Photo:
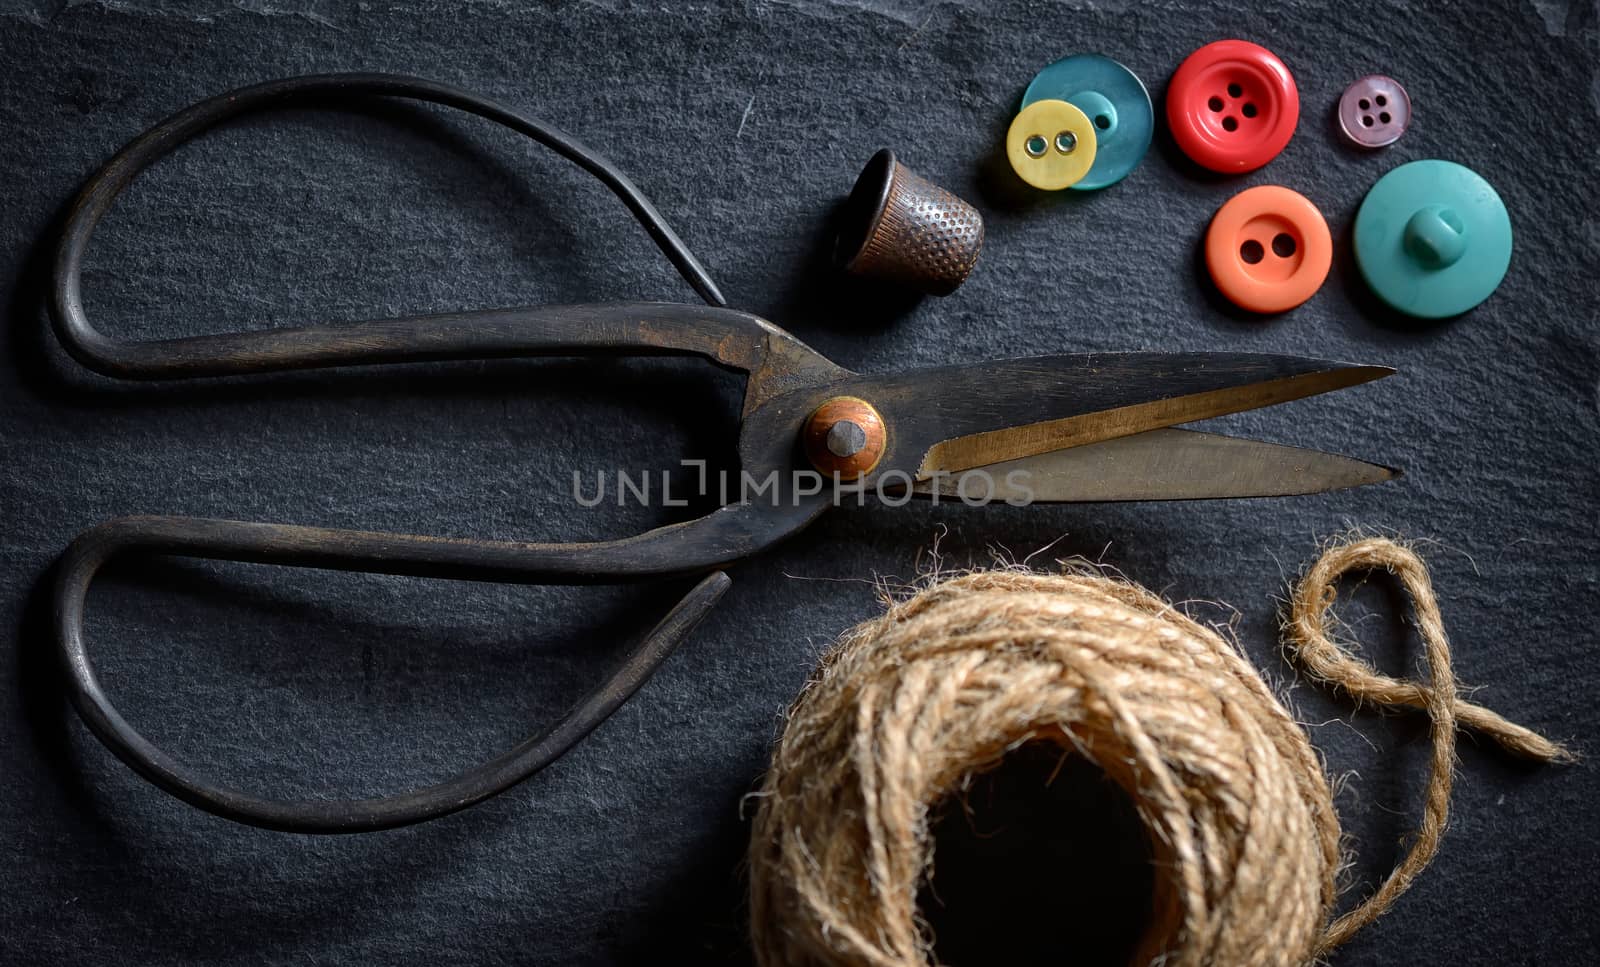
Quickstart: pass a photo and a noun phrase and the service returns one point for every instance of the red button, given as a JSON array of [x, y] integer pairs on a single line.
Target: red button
[[1232, 106]]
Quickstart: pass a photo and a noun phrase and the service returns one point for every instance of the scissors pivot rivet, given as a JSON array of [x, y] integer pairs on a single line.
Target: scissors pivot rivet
[[845, 436], [846, 439]]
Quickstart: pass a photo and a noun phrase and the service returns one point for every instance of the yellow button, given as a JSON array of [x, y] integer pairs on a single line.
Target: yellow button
[[1051, 145]]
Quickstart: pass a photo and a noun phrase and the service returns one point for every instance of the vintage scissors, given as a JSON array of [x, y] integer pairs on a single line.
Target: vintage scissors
[[1090, 427]]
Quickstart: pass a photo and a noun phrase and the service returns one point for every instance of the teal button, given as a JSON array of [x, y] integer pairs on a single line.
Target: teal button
[[1114, 100], [1433, 239]]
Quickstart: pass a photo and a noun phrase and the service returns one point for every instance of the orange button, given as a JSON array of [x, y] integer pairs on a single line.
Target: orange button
[[1268, 249]]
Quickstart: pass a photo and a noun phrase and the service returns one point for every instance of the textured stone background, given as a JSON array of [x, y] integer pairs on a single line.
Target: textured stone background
[[745, 124]]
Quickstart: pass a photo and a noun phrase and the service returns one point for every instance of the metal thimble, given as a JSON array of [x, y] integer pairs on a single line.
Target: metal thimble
[[901, 229]]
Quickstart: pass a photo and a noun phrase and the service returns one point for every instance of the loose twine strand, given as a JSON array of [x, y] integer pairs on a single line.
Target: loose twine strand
[[912, 704], [1310, 642]]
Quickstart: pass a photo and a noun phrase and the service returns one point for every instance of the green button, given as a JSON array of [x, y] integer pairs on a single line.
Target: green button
[[1433, 239], [1114, 100]]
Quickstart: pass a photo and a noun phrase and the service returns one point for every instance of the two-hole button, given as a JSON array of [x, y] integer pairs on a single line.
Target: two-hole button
[[1051, 144], [1268, 249]]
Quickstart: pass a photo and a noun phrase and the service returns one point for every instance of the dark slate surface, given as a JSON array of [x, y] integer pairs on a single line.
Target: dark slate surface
[[745, 125]]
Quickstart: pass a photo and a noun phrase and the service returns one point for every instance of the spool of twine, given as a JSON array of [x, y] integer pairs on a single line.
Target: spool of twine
[[1237, 810]]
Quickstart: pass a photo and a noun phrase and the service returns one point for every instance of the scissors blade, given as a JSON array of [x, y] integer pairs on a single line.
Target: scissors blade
[[960, 417], [1164, 464]]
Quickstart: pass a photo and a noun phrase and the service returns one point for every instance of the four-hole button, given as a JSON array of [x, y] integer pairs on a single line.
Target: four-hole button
[[1232, 106], [1374, 111]]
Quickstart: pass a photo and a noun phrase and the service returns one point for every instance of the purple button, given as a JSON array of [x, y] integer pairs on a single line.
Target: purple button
[[1374, 111]]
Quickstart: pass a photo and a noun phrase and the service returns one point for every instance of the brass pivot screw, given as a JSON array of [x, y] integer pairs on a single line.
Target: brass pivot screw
[[845, 436]]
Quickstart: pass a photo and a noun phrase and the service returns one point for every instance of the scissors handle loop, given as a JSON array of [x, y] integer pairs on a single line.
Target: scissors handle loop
[[312, 547], [259, 352]]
